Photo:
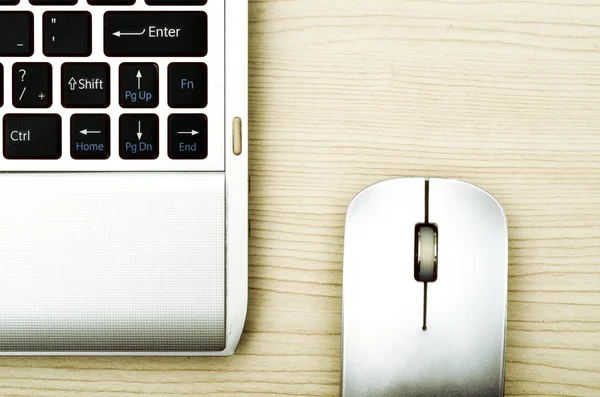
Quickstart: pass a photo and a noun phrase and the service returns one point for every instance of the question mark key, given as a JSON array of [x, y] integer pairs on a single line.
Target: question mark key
[[32, 85]]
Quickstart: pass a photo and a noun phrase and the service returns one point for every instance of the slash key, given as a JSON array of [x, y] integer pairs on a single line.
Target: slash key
[[32, 85]]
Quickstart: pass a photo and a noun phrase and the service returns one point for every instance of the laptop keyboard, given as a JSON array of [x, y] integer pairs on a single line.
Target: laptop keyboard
[[109, 80]]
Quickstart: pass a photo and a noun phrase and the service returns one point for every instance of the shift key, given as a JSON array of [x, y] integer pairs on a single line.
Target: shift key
[[155, 33]]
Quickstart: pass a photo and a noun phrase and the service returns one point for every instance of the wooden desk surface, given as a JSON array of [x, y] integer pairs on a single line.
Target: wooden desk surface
[[345, 93]]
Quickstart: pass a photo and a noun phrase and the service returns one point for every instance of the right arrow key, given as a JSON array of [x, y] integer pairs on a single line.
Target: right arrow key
[[188, 136]]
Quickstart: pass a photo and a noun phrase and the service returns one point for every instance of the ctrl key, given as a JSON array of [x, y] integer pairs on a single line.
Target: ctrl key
[[32, 136]]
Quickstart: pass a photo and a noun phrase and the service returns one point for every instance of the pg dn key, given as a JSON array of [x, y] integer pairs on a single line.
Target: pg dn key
[[138, 136]]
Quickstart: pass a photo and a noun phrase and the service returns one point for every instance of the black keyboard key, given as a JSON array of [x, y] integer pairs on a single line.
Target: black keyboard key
[[111, 2], [32, 85], [1, 85], [176, 2], [188, 136], [67, 33], [16, 33], [188, 85], [90, 136], [9, 2], [53, 2], [138, 136], [158, 33], [32, 136], [138, 85], [85, 85]]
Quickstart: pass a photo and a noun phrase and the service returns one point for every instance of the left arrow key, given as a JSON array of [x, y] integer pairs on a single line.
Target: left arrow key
[[16, 33], [90, 136]]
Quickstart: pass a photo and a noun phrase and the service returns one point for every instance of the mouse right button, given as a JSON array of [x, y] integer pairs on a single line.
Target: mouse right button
[[466, 305]]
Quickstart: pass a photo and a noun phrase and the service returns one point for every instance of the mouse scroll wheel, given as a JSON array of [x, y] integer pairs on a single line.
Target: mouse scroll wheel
[[426, 255]]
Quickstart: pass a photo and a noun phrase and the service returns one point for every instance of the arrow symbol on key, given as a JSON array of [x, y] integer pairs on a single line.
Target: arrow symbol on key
[[86, 131], [118, 33], [139, 78], [139, 133], [192, 132], [72, 83]]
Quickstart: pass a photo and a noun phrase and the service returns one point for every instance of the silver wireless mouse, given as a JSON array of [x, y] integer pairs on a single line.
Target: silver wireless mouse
[[425, 283]]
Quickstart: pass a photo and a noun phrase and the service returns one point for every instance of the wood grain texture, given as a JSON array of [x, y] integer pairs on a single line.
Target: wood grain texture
[[345, 93]]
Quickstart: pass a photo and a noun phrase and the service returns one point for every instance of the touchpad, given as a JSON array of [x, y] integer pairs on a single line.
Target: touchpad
[[112, 262]]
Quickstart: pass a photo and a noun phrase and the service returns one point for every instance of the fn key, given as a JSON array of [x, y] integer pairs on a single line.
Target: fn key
[[32, 136]]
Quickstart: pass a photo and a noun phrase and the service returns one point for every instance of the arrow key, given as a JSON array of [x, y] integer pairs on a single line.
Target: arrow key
[[188, 136], [138, 136], [90, 136], [138, 85]]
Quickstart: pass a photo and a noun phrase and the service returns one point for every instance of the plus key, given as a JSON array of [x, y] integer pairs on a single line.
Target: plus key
[[32, 85]]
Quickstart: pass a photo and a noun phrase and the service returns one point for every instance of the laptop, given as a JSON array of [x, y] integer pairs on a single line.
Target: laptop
[[123, 177]]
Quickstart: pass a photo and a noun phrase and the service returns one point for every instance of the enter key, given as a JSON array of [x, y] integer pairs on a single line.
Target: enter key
[[153, 33]]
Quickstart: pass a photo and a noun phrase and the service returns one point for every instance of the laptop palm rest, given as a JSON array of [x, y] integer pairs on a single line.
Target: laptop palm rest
[[112, 263]]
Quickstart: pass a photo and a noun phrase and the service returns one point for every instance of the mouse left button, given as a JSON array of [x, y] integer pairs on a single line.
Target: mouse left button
[[382, 302]]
